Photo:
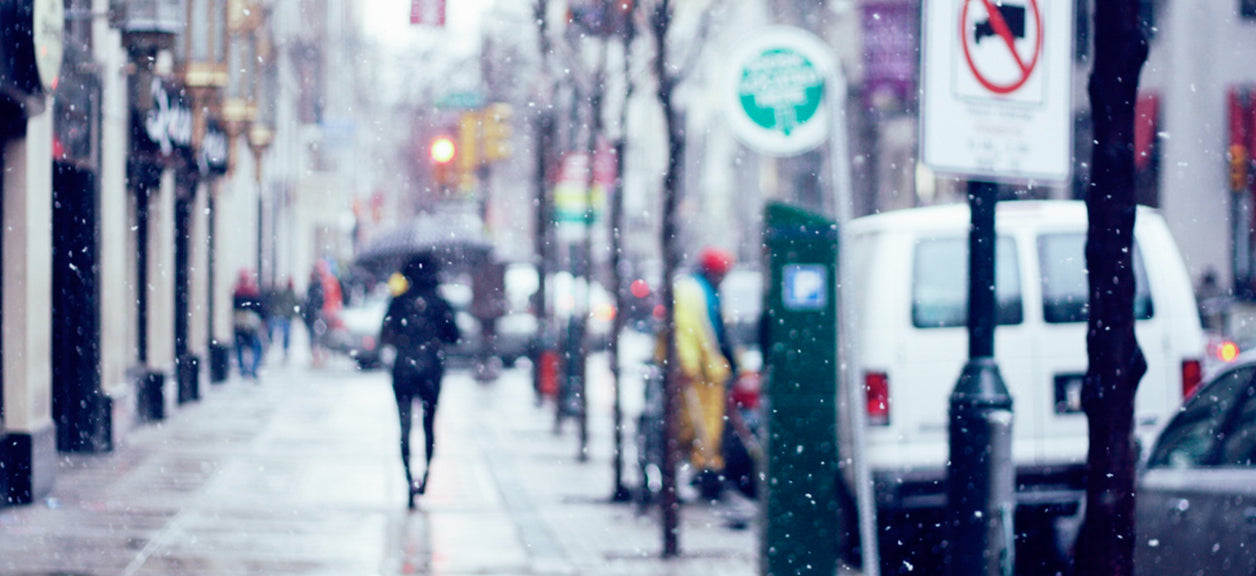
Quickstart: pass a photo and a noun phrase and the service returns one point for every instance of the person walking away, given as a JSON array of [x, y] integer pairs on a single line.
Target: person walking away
[[282, 308], [247, 314], [333, 296], [1212, 301], [312, 314], [705, 368], [418, 325]]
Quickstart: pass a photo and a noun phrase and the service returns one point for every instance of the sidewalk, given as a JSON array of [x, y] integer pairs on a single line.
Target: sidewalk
[[298, 474]]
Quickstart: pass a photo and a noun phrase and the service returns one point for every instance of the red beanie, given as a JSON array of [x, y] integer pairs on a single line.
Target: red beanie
[[715, 261]]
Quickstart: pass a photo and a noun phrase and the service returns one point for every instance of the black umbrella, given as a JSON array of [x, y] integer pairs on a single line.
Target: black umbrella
[[455, 237]]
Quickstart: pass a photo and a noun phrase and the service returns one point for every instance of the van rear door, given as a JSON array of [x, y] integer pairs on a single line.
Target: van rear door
[[937, 347]]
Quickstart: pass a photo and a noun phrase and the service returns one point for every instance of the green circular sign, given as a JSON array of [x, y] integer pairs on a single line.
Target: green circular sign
[[780, 90], [779, 86]]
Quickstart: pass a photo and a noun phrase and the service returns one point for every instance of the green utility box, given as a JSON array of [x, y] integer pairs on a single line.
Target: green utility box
[[801, 510]]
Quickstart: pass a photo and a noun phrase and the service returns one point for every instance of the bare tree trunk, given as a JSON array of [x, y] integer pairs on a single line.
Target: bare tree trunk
[[661, 21], [544, 140], [620, 492], [594, 136], [1105, 545]]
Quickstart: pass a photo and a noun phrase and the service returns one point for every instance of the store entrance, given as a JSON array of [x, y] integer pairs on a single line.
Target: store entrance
[[80, 408]]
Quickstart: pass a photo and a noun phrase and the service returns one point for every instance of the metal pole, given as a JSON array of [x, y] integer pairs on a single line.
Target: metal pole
[[591, 148], [980, 480], [983, 306], [142, 213], [544, 139], [261, 207], [843, 199], [569, 344], [211, 234], [278, 204]]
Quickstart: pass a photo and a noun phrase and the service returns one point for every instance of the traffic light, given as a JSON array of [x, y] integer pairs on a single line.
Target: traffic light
[[497, 132], [1238, 167], [468, 140], [443, 151]]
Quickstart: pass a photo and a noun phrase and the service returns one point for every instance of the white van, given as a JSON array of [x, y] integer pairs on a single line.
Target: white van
[[906, 295]]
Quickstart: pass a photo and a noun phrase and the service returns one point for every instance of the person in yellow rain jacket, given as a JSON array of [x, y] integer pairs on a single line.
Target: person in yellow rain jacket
[[705, 368]]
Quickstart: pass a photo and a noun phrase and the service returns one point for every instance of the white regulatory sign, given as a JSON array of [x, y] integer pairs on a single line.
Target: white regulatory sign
[[998, 88]]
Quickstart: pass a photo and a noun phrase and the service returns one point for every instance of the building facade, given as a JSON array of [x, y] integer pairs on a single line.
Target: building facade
[[116, 146], [1204, 126], [27, 79]]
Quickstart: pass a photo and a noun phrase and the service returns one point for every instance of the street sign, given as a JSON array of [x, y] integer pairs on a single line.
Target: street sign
[[777, 91], [461, 101], [997, 100], [804, 287]]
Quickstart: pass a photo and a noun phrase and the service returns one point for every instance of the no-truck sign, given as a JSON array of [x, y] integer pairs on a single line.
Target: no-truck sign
[[1002, 45], [998, 88]]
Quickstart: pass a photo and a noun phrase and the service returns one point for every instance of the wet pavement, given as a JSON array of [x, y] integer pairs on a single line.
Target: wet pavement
[[299, 474]]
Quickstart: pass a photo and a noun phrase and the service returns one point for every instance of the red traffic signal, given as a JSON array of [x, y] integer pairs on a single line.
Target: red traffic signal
[[443, 150]]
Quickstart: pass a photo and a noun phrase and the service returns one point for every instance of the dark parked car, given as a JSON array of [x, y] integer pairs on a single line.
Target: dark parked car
[[1196, 511]]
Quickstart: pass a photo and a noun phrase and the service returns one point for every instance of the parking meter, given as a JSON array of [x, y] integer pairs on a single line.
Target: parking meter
[[801, 510]]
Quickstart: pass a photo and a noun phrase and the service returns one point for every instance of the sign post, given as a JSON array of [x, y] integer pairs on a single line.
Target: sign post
[[997, 107]]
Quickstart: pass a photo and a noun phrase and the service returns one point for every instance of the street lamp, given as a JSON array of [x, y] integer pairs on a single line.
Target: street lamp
[[238, 106], [260, 137], [201, 64], [148, 28]]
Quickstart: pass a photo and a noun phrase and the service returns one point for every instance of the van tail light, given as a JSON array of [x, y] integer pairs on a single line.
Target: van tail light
[[877, 391], [1192, 377]]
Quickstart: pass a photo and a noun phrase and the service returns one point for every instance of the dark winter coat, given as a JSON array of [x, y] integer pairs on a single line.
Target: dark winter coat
[[418, 324]]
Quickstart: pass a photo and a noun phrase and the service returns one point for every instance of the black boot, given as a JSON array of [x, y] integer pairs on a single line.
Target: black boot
[[710, 485], [423, 484]]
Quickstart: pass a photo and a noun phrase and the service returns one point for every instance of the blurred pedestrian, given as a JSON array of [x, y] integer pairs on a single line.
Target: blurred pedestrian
[[247, 317], [312, 314], [705, 368], [323, 301], [418, 325], [333, 293], [281, 308], [1213, 302]]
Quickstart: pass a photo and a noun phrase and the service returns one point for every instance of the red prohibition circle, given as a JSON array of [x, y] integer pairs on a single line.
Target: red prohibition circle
[[1026, 69]]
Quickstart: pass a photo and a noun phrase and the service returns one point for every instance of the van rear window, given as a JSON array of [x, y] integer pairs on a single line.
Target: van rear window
[[1065, 292], [940, 283]]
